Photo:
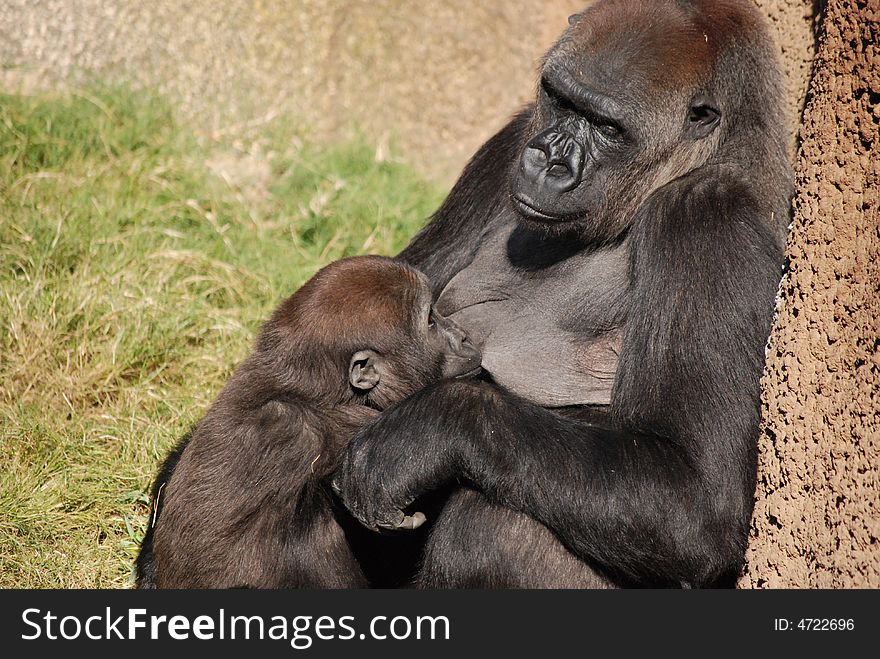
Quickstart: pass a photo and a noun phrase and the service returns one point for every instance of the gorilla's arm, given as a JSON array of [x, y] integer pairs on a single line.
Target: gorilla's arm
[[662, 493], [449, 241], [628, 501]]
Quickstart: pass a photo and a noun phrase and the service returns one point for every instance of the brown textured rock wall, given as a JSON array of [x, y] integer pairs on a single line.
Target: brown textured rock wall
[[817, 522]]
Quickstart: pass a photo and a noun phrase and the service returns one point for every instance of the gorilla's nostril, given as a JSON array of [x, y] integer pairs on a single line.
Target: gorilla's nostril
[[533, 162], [538, 156], [559, 170]]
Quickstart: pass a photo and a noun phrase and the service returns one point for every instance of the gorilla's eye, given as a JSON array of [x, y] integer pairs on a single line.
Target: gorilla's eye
[[702, 114], [610, 131], [703, 118], [559, 101], [431, 319]]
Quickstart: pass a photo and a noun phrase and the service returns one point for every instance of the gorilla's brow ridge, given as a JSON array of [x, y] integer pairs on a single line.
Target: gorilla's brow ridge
[[593, 103]]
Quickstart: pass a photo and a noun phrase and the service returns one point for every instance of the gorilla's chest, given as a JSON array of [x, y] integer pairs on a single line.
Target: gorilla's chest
[[547, 313]]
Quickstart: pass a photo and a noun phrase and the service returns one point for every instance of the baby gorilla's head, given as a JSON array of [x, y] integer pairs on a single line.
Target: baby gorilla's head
[[363, 330]]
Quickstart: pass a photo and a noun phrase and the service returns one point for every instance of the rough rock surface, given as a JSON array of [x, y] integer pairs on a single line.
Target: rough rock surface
[[817, 521]]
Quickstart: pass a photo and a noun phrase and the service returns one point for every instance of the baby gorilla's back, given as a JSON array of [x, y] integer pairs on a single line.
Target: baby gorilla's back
[[247, 507]]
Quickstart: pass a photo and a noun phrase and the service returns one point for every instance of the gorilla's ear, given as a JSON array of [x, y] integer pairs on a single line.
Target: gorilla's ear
[[703, 116], [363, 370], [574, 18]]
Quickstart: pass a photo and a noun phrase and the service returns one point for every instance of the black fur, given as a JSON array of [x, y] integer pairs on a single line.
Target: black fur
[[627, 325]]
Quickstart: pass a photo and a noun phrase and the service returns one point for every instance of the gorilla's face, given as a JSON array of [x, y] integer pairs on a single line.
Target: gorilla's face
[[582, 147], [615, 118]]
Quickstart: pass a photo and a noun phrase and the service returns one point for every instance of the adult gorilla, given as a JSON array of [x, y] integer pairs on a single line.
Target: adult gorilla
[[615, 249]]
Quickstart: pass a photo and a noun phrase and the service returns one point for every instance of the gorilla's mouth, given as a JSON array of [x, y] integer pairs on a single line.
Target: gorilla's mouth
[[469, 374], [526, 208]]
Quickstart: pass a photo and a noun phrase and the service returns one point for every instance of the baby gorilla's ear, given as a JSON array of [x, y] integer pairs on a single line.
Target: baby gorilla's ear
[[364, 369]]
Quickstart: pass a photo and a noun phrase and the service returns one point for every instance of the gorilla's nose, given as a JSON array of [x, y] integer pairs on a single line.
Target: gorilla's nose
[[553, 160]]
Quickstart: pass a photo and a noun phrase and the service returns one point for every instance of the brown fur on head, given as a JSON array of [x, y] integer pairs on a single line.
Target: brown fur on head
[[355, 304], [362, 331], [640, 49]]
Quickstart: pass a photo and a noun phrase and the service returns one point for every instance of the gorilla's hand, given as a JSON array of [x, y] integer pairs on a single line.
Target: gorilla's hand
[[412, 448]]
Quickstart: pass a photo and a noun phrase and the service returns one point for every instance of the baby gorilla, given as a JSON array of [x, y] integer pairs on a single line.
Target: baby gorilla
[[245, 501]]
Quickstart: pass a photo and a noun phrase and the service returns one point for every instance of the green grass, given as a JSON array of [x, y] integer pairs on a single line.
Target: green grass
[[137, 261]]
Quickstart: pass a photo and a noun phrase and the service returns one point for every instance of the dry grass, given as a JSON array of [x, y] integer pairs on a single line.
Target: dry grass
[[136, 263]]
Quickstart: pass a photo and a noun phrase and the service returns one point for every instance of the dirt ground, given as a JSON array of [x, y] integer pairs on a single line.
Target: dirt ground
[[436, 79]]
